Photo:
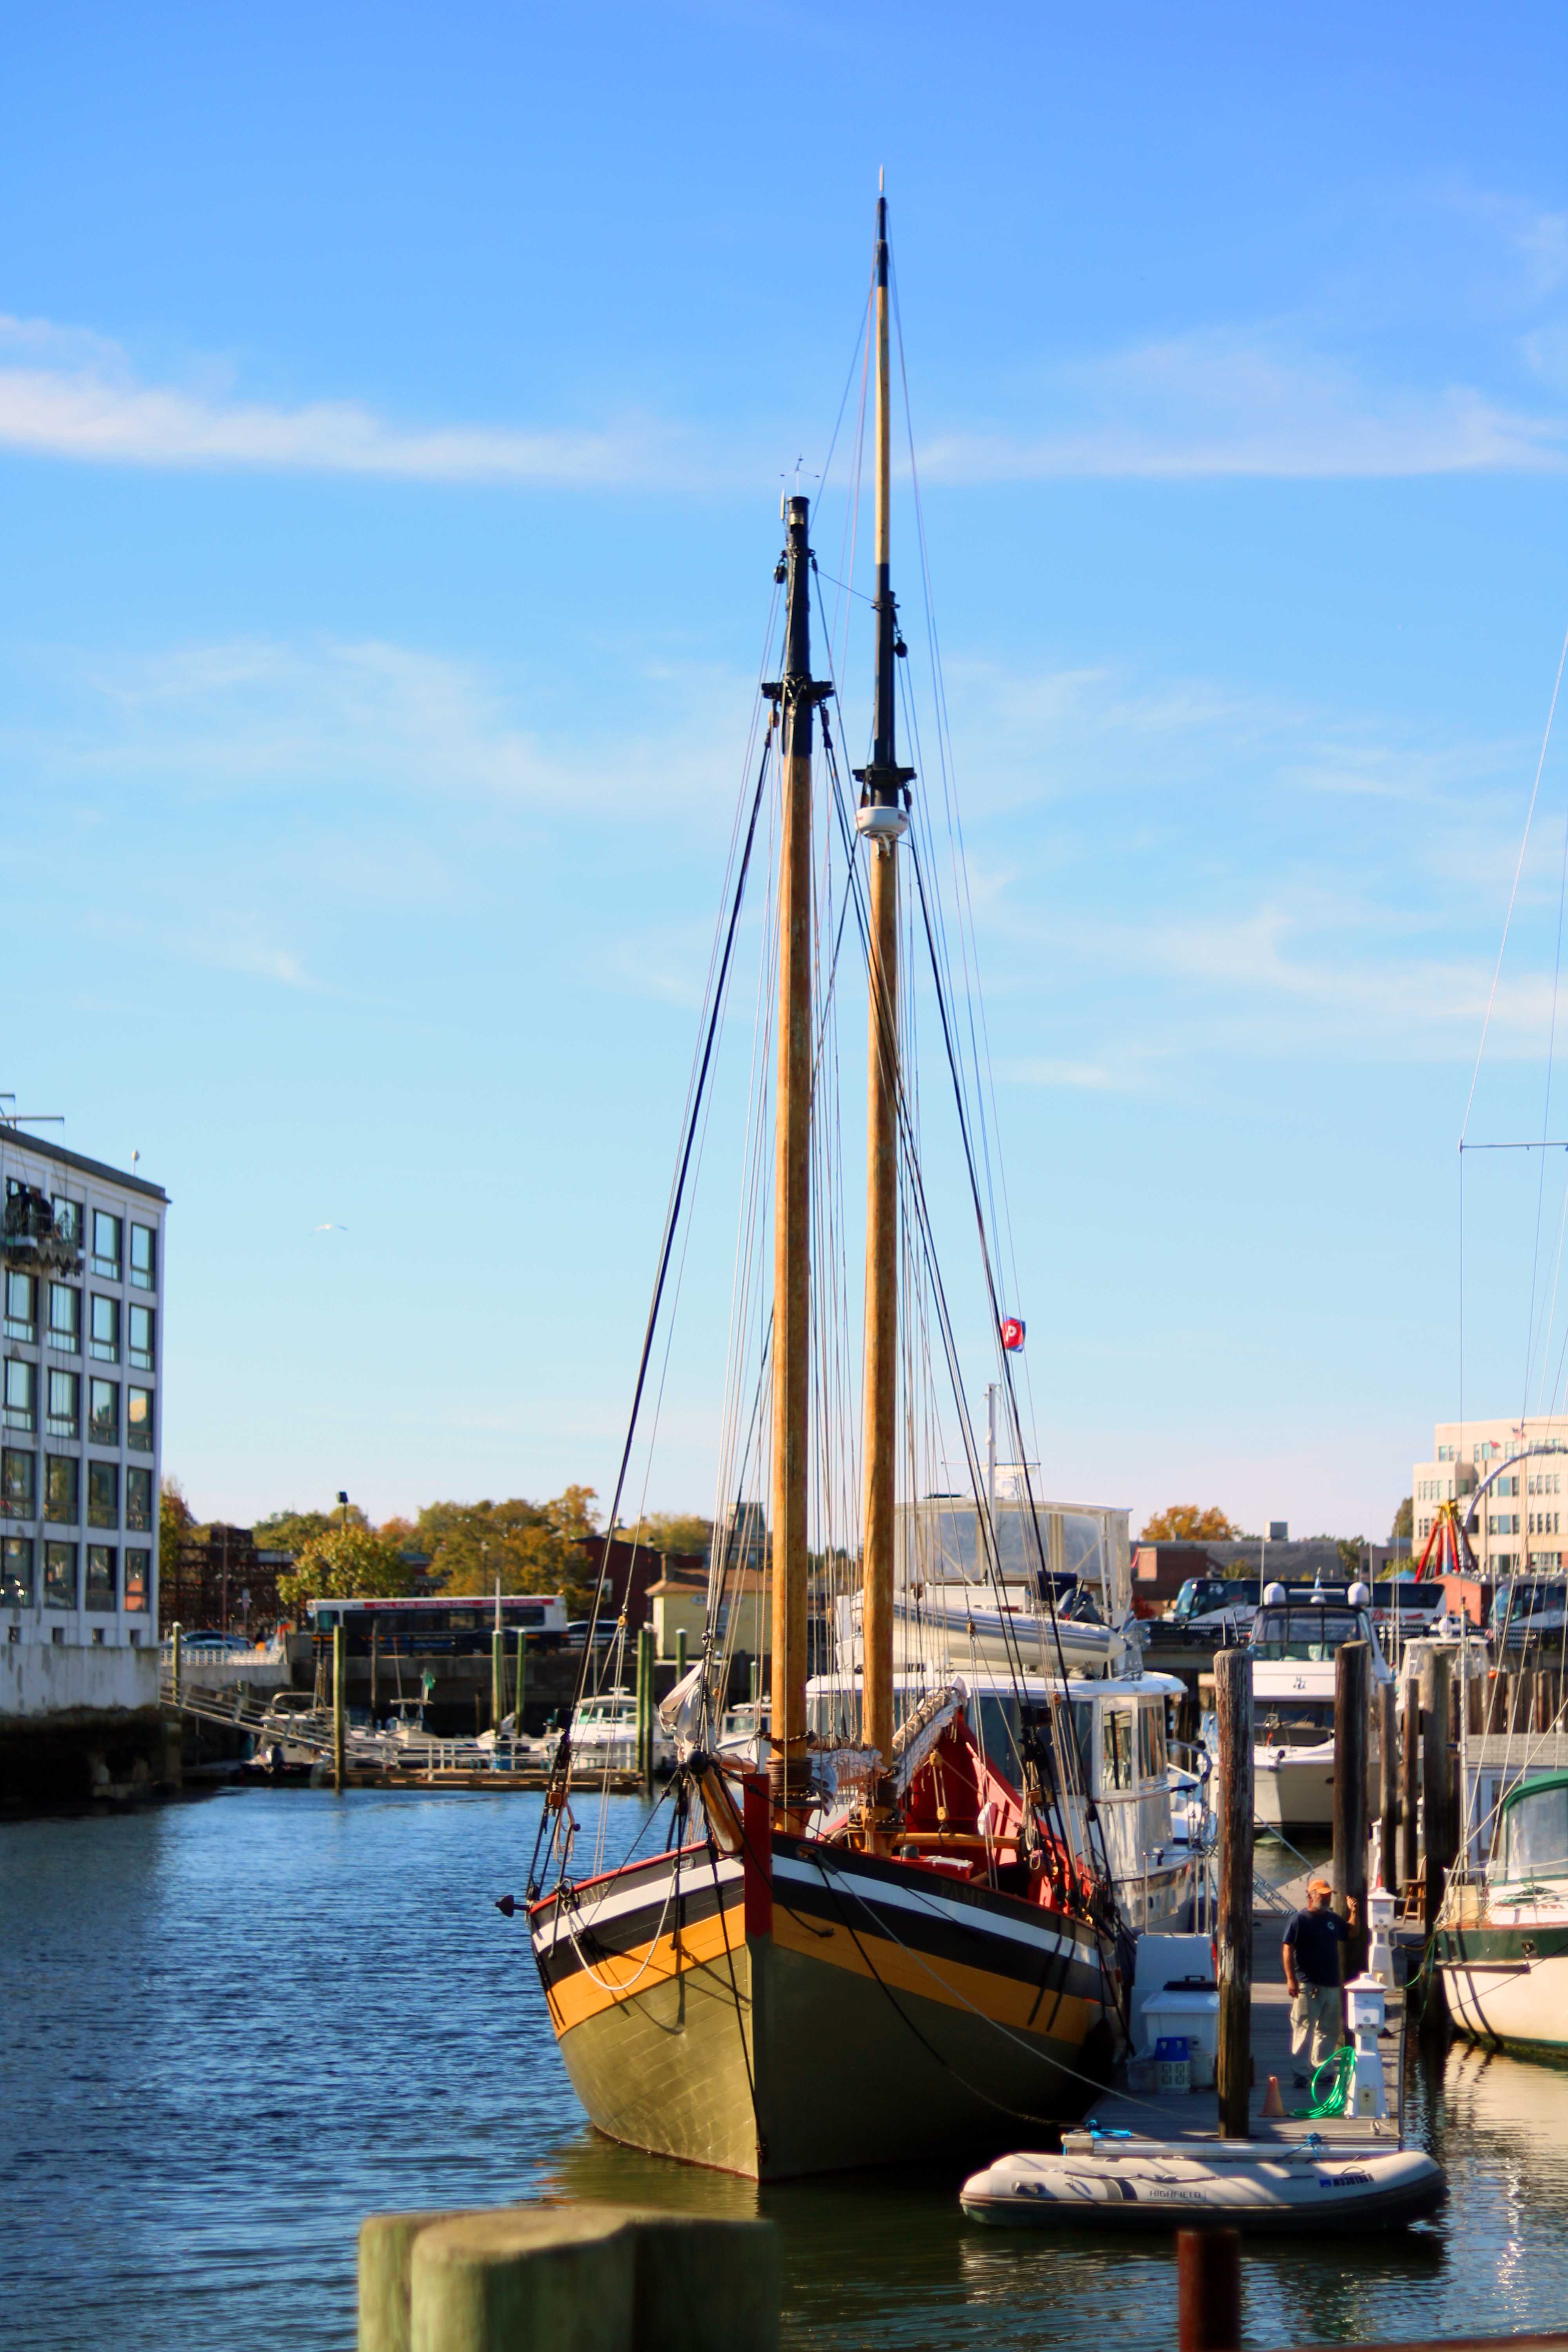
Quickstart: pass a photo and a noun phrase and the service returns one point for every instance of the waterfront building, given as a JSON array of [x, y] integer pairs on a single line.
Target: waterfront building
[[1522, 1521], [81, 1267]]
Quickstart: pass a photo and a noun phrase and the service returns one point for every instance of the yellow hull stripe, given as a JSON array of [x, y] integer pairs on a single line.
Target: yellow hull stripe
[[1004, 1999], [615, 1977]]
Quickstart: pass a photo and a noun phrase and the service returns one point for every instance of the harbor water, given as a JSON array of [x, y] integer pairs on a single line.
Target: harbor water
[[234, 2025]]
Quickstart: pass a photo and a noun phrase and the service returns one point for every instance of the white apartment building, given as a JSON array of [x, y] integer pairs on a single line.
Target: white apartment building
[[1521, 1520], [81, 1266]]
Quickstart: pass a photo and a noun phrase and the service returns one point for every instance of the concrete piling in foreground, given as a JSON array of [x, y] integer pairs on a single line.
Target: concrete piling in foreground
[[572, 2278]]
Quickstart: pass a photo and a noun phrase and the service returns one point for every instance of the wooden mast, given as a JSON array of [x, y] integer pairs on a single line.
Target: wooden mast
[[881, 821], [796, 695]]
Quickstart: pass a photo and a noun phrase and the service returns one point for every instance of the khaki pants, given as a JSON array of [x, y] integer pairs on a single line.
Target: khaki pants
[[1315, 2017]]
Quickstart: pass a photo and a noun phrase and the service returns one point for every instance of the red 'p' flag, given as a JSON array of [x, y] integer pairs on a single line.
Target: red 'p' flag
[[1012, 1333]]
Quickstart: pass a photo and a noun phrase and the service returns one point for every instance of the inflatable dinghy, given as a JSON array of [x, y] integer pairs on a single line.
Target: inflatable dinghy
[[1100, 2181]]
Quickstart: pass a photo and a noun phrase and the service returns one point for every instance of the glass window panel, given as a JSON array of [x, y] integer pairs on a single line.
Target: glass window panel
[[15, 1571], [139, 1500], [143, 1258], [139, 1420], [18, 1482], [65, 1404], [102, 1564], [21, 1394], [141, 1338], [65, 1317], [103, 1494], [138, 1578], [106, 1244], [62, 1488], [68, 1219], [105, 1328], [104, 1412], [59, 1576], [21, 1306]]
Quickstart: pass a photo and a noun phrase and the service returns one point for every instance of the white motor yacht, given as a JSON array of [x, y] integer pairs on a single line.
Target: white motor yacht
[[1294, 1641]]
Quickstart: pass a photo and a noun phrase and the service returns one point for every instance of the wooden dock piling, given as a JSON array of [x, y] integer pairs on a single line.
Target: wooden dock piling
[[1352, 1685], [1208, 2291], [1437, 1778], [1388, 1779], [1234, 1806], [339, 1707], [1409, 1784]]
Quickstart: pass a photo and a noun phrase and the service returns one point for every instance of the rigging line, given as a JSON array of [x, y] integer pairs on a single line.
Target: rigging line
[[1513, 894], [1005, 1366], [1545, 1131], [561, 1771], [950, 1346]]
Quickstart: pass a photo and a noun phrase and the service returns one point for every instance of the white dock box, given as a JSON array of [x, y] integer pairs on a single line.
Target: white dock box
[[1193, 2014]]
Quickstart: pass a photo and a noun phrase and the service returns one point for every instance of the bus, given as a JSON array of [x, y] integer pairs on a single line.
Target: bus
[[435, 1626]]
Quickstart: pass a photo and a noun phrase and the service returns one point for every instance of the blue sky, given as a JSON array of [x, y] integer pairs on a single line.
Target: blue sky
[[393, 406]]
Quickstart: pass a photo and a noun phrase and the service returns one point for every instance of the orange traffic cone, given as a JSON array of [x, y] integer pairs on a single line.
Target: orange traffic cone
[[1273, 2104]]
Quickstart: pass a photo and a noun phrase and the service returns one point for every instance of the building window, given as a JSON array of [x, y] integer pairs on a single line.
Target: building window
[[62, 1489], [139, 1501], [104, 1412], [138, 1578], [143, 1259], [140, 1348], [65, 1404], [65, 1318], [59, 1576], [68, 1219], [15, 1571], [103, 1494], [102, 1560], [21, 1394], [106, 1245], [19, 1484], [105, 1341], [139, 1420], [21, 1306]]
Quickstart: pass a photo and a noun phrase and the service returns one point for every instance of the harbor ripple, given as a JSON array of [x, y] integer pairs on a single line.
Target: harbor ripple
[[233, 2027]]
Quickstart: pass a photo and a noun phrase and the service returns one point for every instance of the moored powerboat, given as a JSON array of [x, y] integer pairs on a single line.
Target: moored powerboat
[[1294, 1641]]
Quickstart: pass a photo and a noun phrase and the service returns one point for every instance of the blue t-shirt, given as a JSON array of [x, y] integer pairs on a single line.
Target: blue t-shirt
[[1315, 1937]]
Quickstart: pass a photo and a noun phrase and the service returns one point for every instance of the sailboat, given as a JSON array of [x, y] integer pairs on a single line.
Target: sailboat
[[888, 1947]]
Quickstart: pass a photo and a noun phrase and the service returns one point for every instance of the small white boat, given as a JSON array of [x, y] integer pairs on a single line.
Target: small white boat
[[1294, 1640], [1101, 2182]]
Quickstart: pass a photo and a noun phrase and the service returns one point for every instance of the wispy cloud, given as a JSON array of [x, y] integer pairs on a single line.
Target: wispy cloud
[[1245, 401], [64, 392]]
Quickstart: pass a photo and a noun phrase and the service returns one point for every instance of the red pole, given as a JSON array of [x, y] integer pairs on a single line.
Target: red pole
[[1208, 2291]]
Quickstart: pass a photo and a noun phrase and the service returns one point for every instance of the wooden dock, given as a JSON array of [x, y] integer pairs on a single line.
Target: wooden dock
[[1194, 2115]]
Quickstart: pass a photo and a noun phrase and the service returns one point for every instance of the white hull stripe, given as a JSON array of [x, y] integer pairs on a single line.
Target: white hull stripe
[[880, 1896], [697, 1875]]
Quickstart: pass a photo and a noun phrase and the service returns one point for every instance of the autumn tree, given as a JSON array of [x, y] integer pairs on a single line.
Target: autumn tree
[[1184, 1523], [351, 1563]]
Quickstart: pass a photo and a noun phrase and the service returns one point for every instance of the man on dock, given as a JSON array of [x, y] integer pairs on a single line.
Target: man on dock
[[1312, 1973]]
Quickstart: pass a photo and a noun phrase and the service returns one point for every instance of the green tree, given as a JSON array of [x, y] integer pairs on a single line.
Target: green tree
[[1184, 1523], [1349, 1549], [175, 1520], [290, 1531], [1404, 1522], [351, 1563], [525, 1547], [685, 1531]]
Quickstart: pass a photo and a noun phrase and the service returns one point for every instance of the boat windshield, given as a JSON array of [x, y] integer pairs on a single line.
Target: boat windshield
[[1537, 1841], [1294, 1722], [1307, 1636]]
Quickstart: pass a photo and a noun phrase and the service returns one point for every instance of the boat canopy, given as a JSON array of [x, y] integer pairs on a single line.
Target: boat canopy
[[1534, 1828], [1306, 1635]]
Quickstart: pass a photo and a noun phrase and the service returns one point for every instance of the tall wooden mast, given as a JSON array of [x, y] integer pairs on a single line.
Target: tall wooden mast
[[796, 695], [881, 821]]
